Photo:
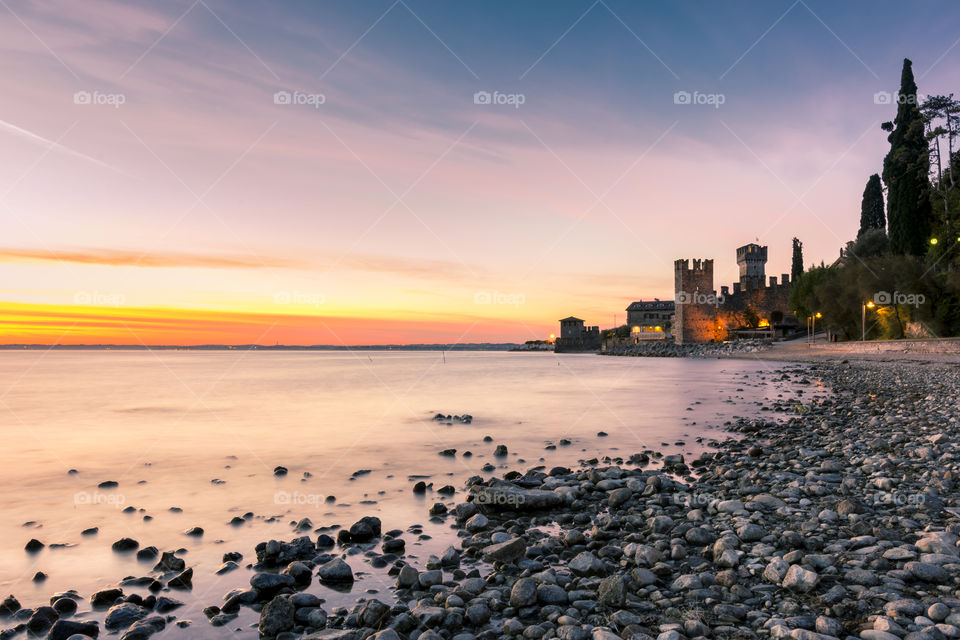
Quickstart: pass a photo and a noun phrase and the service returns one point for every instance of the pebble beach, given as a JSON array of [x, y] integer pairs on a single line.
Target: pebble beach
[[830, 517]]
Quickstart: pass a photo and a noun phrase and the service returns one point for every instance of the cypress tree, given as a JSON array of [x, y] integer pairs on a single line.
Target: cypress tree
[[906, 173], [796, 269], [871, 207]]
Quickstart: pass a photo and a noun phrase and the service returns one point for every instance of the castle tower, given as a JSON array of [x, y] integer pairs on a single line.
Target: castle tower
[[752, 260], [695, 302]]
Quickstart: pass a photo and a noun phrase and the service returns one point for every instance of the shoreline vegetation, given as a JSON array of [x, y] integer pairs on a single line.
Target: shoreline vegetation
[[836, 520]]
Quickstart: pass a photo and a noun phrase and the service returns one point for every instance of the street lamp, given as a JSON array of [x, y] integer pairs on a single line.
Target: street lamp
[[814, 323], [863, 319]]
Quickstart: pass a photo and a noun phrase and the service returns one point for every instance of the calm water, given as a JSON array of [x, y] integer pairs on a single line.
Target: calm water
[[166, 425]]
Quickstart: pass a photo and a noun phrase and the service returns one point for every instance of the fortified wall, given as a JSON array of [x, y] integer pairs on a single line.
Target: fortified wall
[[704, 316]]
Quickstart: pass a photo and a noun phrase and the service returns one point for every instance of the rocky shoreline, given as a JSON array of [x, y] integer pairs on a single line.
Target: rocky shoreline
[[834, 521], [664, 349]]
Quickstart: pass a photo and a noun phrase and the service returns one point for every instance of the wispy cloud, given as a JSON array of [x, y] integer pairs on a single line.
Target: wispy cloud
[[52, 144], [121, 258]]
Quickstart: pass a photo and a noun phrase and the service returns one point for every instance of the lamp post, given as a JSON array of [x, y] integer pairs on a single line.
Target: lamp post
[[863, 319], [813, 318]]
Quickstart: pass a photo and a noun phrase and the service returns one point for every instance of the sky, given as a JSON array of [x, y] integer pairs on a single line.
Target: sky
[[409, 171]]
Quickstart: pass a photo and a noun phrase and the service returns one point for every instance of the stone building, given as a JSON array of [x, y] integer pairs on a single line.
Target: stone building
[[574, 336], [650, 318], [704, 316]]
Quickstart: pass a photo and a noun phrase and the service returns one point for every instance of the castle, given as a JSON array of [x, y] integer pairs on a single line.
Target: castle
[[574, 336], [703, 316]]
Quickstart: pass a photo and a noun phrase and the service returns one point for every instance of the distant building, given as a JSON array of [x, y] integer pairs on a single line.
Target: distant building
[[574, 336], [647, 315]]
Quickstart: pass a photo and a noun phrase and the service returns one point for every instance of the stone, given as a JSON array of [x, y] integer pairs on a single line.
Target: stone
[[612, 592], [505, 552], [276, 616], [66, 629], [548, 594], [144, 628], [586, 564], [524, 593], [123, 615], [800, 580], [336, 571]]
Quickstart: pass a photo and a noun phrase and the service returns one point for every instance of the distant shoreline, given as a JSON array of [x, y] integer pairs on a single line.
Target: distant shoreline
[[492, 346]]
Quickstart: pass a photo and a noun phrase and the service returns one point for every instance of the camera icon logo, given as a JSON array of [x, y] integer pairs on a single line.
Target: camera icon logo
[[482, 297], [882, 297], [682, 97], [282, 97], [882, 97], [683, 298], [82, 97], [482, 97], [281, 497]]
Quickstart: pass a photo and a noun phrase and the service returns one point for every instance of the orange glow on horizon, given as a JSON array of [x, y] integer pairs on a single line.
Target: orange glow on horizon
[[79, 325]]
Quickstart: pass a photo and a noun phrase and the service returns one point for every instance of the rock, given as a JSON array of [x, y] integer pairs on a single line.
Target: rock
[[800, 580], [276, 616], [333, 634], [144, 628], [612, 592], [619, 497], [42, 619], [505, 552], [9, 606], [587, 564], [502, 495], [271, 582], [123, 615], [523, 593], [165, 604], [408, 577], [365, 529], [125, 544], [170, 562], [66, 629], [477, 523], [927, 572], [336, 571], [373, 613], [105, 597], [551, 594], [183, 580], [280, 471]]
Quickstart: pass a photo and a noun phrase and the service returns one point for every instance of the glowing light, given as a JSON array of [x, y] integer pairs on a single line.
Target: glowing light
[[819, 315], [764, 323], [870, 305], [933, 241]]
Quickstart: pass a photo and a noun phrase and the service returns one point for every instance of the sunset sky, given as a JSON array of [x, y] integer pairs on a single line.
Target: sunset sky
[[156, 189]]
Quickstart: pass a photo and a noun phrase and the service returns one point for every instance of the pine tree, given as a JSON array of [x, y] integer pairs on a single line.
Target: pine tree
[[796, 269], [871, 207], [905, 172]]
